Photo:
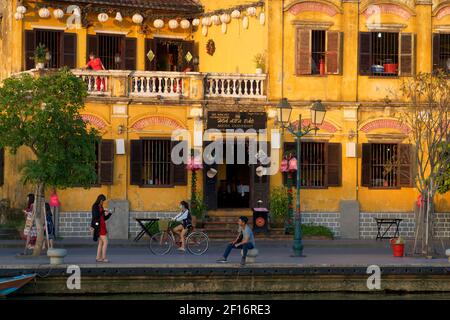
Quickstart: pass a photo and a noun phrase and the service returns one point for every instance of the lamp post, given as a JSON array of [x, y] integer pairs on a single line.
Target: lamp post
[[318, 112]]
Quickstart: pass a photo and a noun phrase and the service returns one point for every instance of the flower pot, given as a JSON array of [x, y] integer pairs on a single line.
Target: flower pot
[[398, 249], [40, 65], [390, 68], [258, 71]]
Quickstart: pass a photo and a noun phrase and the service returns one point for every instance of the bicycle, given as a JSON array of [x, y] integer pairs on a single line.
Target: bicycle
[[161, 243]]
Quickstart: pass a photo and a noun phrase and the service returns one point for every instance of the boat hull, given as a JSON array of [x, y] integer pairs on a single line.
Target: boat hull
[[9, 285]]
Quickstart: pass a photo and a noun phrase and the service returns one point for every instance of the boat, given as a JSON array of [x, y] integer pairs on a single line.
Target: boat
[[9, 285]]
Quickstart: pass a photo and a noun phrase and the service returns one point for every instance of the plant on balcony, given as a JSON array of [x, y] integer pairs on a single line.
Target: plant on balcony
[[260, 62], [39, 56], [41, 116]]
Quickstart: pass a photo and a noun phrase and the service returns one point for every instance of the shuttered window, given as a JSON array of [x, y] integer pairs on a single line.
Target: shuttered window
[[316, 48], [441, 51], [104, 164], [387, 165], [320, 165], [61, 46], [115, 51], [386, 54], [151, 164]]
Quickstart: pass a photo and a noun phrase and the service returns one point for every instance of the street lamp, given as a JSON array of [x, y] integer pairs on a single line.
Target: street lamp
[[318, 112]]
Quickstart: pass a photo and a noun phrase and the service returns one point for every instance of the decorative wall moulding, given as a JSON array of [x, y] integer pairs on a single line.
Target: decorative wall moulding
[[388, 27], [310, 24], [325, 7], [441, 29], [424, 2], [387, 8], [442, 12]]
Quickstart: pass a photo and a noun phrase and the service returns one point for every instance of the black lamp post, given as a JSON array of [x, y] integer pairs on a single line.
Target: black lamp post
[[318, 112]]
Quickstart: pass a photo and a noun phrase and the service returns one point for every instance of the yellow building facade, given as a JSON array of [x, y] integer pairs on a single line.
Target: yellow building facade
[[352, 55]]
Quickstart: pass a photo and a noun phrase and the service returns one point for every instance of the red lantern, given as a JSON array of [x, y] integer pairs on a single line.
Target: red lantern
[[284, 165], [292, 164], [194, 164]]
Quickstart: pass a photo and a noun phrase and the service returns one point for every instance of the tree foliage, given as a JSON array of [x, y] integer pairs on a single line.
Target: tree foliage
[[43, 114]]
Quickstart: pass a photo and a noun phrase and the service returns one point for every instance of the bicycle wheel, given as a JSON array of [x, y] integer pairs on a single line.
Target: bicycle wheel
[[197, 243], [161, 243]]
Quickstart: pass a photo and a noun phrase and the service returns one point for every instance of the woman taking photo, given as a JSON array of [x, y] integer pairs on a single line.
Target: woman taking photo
[[98, 227]]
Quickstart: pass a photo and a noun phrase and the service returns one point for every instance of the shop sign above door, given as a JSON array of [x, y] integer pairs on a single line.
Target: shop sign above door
[[236, 120]]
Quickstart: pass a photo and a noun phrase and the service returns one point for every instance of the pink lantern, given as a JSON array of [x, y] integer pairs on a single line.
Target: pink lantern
[[54, 200], [292, 164], [284, 165], [194, 163]]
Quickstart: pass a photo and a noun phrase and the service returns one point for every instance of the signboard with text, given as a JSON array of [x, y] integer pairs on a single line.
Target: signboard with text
[[237, 120]]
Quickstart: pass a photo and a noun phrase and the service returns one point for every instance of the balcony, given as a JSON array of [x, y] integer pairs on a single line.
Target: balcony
[[173, 85]]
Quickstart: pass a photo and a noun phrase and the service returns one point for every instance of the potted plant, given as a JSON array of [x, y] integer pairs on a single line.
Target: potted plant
[[260, 62], [278, 207], [198, 210], [398, 246], [39, 56]]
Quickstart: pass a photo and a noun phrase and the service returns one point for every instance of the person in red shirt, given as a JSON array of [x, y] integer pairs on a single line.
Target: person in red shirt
[[98, 227], [96, 64]]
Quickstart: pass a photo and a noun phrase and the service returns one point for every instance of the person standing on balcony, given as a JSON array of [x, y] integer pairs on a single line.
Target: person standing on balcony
[[96, 64]]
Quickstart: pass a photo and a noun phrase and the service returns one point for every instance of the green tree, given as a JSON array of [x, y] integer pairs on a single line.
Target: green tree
[[42, 115]]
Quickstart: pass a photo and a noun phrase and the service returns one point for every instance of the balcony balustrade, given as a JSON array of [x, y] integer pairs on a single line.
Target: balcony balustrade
[[170, 85]]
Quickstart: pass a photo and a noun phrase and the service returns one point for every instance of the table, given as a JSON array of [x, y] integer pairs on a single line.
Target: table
[[145, 229], [389, 223]]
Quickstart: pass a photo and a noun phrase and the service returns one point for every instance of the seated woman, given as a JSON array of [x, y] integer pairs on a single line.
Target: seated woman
[[185, 222]]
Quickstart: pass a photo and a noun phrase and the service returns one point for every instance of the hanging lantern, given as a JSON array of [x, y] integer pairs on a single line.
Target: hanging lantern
[[173, 24], [194, 163], [224, 28], [245, 22], [225, 18], [119, 17], [21, 9], [44, 13], [18, 16], [196, 22], [292, 164], [262, 18], [158, 24], [284, 165], [215, 19], [205, 31], [206, 22], [251, 11], [58, 13], [185, 24], [236, 14], [103, 17], [137, 18]]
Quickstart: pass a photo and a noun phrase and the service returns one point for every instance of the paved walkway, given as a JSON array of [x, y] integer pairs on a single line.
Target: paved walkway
[[318, 253]]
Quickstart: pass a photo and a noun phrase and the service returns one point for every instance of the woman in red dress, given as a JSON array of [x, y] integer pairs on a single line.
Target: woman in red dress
[[96, 64], [98, 227]]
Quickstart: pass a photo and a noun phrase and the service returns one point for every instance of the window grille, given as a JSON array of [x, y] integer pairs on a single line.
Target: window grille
[[157, 165], [384, 165], [110, 51], [52, 41], [385, 54], [444, 52], [318, 50]]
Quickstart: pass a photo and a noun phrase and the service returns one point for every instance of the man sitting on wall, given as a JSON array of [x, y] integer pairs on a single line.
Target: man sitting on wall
[[244, 241]]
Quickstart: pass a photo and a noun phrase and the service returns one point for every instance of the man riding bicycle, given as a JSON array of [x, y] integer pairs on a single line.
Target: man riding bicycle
[[184, 220]]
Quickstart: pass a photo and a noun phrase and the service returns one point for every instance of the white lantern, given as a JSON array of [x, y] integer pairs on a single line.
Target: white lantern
[[224, 28], [58, 13], [44, 13], [251, 11], [262, 18], [185, 24], [77, 12], [225, 18], [236, 14], [245, 22], [119, 17], [137, 18], [158, 24], [196, 22], [173, 24], [103, 17], [215, 19], [205, 31], [206, 21], [21, 9], [18, 16]]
